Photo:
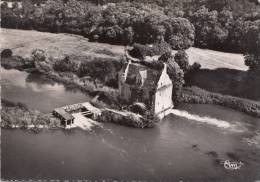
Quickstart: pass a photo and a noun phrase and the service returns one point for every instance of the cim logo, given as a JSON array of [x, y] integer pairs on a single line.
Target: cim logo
[[232, 165]]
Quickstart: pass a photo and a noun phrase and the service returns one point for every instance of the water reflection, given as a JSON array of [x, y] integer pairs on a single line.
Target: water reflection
[[37, 91]]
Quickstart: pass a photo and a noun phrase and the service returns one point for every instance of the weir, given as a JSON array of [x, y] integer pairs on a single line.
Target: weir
[[202, 119]]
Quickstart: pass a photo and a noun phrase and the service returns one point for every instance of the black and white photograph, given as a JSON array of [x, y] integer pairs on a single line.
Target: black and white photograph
[[130, 90]]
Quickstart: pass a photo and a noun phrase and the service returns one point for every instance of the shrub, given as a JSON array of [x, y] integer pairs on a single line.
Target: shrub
[[17, 62], [253, 62], [7, 103], [177, 76], [66, 65], [140, 50], [42, 62], [138, 108], [195, 67], [15, 114], [112, 83], [165, 57], [102, 69], [6, 53], [38, 55], [181, 58]]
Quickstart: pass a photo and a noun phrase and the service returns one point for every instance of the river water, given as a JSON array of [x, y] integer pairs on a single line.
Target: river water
[[187, 145]]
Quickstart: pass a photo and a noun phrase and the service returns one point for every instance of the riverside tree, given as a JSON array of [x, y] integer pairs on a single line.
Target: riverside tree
[[252, 45], [182, 59], [175, 73], [177, 76]]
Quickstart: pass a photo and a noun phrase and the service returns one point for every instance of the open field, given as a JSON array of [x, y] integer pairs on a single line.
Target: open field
[[22, 42], [214, 59]]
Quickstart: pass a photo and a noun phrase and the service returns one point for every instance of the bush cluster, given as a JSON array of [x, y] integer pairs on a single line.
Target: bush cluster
[[19, 115], [6, 53], [141, 51]]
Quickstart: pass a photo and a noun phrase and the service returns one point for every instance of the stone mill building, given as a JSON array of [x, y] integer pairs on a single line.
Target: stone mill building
[[139, 83]]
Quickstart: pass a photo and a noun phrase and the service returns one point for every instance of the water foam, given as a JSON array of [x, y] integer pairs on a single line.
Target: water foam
[[83, 122], [203, 119]]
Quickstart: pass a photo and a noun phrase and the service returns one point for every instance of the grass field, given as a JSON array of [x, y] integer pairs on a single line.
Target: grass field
[[22, 43], [214, 59]]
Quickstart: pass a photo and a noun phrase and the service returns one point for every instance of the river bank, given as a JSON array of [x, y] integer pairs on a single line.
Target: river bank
[[199, 96]]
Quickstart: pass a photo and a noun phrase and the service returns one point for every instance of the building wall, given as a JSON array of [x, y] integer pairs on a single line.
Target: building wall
[[131, 94], [163, 99], [163, 96]]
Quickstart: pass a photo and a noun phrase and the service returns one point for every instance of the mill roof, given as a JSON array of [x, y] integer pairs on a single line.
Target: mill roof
[[148, 77], [63, 113]]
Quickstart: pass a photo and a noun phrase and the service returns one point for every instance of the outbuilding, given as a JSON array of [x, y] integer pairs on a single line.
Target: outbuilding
[[65, 117]]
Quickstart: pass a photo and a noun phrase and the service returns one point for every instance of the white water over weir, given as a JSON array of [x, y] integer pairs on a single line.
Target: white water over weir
[[203, 119]]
